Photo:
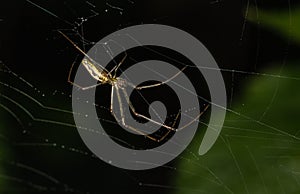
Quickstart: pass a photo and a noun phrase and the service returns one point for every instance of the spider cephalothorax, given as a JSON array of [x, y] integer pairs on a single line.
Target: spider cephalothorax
[[120, 83]]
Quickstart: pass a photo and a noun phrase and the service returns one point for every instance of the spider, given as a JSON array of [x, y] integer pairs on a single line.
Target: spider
[[118, 86]]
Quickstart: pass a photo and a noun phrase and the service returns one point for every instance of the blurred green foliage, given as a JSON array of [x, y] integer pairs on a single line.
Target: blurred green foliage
[[258, 155], [251, 157], [283, 22]]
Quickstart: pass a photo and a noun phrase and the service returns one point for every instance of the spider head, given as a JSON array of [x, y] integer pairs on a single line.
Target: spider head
[[121, 83]]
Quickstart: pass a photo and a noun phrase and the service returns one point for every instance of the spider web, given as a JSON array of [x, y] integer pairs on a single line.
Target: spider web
[[42, 150]]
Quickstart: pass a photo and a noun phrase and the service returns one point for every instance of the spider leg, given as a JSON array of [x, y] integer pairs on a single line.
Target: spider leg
[[170, 128], [112, 104], [194, 119], [164, 136], [143, 116], [78, 48], [122, 121], [115, 69], [123, 117], [112, 99], [164, 82], [84, 88]]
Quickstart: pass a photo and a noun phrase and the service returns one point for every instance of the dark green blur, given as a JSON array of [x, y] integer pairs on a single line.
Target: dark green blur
[[261, 154]]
